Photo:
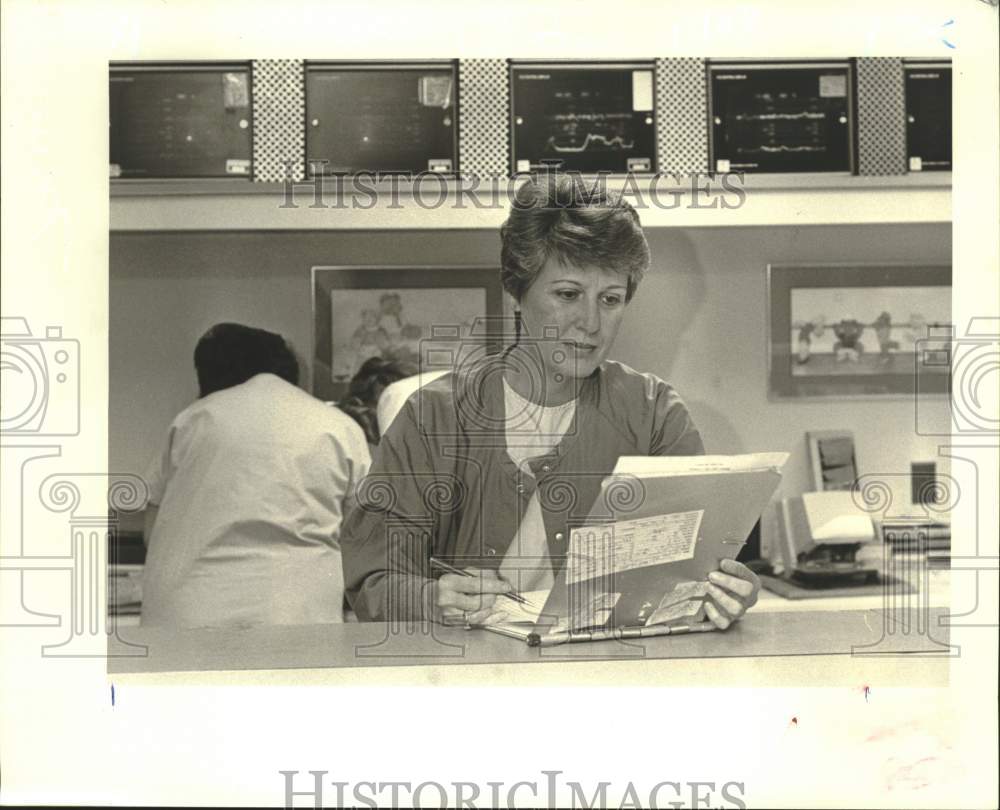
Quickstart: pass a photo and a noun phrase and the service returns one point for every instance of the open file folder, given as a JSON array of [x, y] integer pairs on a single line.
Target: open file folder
[[639, 564]]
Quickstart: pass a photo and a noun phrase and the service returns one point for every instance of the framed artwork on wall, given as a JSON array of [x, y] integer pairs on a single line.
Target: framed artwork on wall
[[421, 315], [838, 330]]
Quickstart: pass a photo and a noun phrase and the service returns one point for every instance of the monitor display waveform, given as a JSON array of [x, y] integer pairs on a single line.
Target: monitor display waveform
[[579, 118], [783, 148], [592, 139], [781, 119], [802, 116]]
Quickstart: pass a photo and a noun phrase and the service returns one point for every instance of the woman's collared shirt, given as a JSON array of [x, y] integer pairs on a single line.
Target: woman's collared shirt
[[443, 484]]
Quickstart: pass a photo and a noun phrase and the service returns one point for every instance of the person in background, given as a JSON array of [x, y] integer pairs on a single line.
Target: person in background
[[248, 495], [394, 397], [365, 390]]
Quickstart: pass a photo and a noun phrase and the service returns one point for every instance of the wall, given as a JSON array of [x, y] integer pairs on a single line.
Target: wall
[[699, 320]]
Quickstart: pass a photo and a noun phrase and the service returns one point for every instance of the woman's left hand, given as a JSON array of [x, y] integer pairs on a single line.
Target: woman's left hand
[[732, 590]]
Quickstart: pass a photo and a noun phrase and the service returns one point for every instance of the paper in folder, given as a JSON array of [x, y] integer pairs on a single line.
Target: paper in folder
[[638, 565]]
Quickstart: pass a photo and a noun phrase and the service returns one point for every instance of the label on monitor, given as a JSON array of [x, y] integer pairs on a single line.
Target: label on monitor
[[642, 90], [832, 86], [235, 90], [237, 166]]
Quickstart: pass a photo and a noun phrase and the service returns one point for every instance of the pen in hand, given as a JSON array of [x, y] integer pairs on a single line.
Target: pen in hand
[[441, 565]]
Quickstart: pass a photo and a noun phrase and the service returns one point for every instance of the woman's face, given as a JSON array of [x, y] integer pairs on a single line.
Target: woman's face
[[573, 315]]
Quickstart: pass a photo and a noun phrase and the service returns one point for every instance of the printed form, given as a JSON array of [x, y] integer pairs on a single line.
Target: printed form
[[596, 551]]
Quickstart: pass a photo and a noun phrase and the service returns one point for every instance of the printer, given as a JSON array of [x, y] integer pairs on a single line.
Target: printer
[[826, 540]]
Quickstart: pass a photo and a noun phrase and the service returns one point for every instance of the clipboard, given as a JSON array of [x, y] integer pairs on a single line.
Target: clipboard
[[638, 565]]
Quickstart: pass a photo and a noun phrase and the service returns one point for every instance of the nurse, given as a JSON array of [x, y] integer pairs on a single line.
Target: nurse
[[486, 466], [248, 494]]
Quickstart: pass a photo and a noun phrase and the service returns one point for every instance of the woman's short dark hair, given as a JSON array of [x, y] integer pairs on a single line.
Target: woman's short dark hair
[[229, 354], [559, 215], [367, 385]]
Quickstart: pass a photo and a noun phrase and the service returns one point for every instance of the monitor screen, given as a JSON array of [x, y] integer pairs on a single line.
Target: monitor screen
[[180, 122], [583, 118], [781, 118], [928, 117], [380, 119]]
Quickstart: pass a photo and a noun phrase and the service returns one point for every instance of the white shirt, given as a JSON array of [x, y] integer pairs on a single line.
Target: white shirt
[[251, 488], [394, 397], [531, 430]]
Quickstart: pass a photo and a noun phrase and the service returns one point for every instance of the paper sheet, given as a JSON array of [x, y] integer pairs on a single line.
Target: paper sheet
[[596, 551], [642, 90], [655, 466], [682, 601], [684, 590], [435, 91], [681, 610], [508, 611], [592, 610]]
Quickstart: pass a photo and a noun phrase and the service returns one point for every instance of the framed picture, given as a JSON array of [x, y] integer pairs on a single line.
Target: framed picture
[[858, 330], [423, 315]]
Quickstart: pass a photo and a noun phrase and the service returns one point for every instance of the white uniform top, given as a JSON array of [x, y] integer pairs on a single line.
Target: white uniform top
[[251, 489], [394, 397]]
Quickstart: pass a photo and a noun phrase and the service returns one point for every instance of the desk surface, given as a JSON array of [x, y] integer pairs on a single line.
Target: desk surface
[[763, 634]]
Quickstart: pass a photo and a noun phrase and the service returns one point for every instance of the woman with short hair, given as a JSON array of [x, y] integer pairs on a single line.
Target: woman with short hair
[[488, 466]]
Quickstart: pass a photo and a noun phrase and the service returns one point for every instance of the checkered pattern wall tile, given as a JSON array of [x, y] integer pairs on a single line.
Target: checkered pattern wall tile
[[279, 103], [483, 117], [681, 115], [881, 116]]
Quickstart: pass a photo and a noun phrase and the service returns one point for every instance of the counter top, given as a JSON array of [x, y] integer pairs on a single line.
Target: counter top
[[759, 634]]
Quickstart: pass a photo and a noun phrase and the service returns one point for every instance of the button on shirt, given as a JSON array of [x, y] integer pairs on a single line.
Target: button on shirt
[[443, 481], [251, 487]]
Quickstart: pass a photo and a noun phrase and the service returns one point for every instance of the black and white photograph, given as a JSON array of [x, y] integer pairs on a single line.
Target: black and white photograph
[[382, 384]]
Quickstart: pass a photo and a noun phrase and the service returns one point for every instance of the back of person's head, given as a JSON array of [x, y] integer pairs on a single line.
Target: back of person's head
[[229, 354], [575, 220], [366, 387]]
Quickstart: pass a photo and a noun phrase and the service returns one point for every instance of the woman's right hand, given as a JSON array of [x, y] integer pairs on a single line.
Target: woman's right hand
[[468, 600]]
